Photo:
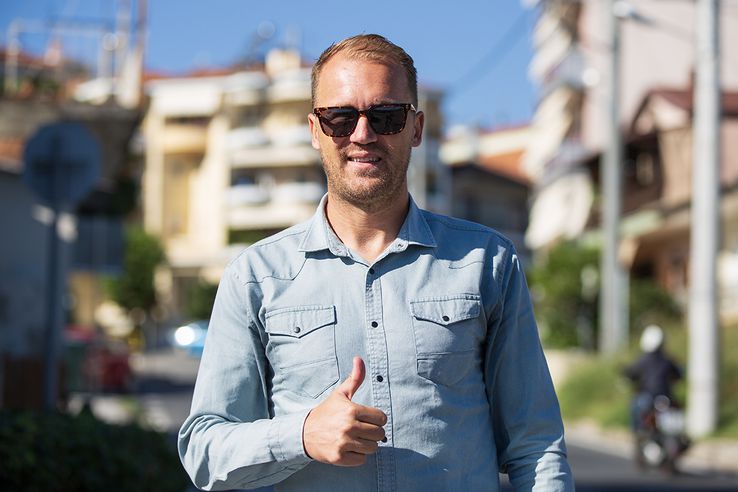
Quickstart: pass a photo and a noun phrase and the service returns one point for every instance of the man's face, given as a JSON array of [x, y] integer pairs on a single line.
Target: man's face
[[365, 169]]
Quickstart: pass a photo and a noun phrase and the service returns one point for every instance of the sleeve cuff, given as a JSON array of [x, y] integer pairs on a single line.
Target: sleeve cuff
[[285, 438]]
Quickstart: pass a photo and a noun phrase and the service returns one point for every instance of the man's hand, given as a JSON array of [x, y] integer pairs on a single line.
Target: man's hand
[[341, 432]]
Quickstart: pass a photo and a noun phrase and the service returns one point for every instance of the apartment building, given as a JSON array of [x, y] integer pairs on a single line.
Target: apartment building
[[229, 161], [657, 60], [489, 184]]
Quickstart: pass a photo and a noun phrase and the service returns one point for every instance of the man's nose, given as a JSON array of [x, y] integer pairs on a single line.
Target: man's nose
[[363, 133]]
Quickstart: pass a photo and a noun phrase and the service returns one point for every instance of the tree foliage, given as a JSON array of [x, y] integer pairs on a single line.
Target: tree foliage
[[134, 288], [200, 299], [565, 286]]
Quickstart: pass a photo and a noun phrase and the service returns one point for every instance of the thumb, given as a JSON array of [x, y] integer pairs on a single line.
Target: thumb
[[351, 384]]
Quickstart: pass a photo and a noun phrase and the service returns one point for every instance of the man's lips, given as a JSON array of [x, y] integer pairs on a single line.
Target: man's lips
[[364, 159]]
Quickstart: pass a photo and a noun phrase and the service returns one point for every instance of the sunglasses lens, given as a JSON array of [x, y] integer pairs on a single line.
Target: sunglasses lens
[[338, 122], [387, 119]]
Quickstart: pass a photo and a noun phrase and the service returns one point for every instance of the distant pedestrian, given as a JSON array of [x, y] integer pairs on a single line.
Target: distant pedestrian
[[427, 319]]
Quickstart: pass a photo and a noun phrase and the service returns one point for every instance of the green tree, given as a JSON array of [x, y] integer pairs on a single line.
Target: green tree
[[200, 299], [564, 285], [134, 288]]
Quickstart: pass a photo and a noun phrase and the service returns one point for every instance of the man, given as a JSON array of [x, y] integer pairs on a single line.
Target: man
[[425, 318], [653, 374]]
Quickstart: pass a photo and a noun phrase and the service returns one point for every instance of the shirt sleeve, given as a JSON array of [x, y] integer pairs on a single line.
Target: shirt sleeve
[[230, 440], [528, 429]]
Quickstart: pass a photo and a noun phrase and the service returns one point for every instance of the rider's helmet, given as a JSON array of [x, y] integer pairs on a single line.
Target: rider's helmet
[[652, 338]]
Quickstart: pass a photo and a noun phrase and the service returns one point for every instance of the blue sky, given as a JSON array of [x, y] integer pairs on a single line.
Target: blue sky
[[477, 51]]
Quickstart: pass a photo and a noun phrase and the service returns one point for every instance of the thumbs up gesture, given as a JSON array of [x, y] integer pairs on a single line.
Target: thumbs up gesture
[[341, 432]]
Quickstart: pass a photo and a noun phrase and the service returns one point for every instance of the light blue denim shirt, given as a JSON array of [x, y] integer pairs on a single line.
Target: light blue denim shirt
[[444, 323]]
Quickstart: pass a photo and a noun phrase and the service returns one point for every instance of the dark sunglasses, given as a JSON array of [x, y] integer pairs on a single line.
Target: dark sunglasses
[[385, 119]]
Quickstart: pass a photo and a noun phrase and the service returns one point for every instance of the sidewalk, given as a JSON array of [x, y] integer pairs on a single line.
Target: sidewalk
[[707, 456]]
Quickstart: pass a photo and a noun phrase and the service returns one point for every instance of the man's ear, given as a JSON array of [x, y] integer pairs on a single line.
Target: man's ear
[[314, 129], [418, 123]]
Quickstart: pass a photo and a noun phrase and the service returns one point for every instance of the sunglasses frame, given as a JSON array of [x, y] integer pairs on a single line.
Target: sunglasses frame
[[363, 112]]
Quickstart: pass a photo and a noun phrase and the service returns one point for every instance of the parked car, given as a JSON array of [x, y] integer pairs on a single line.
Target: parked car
[[190, 337], [96, 362]]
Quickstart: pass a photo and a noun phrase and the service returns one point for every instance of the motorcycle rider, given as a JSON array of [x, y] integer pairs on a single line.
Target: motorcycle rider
[[653, 374]]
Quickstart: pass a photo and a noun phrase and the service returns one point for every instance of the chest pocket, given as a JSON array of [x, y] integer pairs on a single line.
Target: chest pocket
[[448, 333], [302, 349]]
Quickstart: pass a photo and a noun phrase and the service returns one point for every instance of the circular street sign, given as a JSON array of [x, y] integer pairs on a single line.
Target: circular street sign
[[62, 163]]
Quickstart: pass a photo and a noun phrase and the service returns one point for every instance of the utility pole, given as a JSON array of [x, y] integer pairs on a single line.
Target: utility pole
[[613, 328], [704, 333]]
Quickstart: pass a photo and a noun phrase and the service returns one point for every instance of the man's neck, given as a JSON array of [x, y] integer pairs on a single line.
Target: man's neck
[[367, 232]]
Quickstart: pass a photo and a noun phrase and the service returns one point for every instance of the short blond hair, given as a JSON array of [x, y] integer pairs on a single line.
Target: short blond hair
[[370, 47]]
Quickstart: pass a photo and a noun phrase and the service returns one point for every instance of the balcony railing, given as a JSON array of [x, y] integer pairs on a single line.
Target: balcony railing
[[247, 194], [259, 157], [246, 137], [256, 206], [298, 193], [269, 216]]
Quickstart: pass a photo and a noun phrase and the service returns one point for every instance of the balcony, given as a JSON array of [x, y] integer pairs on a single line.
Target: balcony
[[245, 89], [247, 194], [269, 216], [550, 55], [285, 147], [246, 137], [253, 207], [292, 85], [298, 193], [303, 155]]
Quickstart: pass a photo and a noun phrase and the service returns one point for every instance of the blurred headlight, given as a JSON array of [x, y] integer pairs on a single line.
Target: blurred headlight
[[184, 335]]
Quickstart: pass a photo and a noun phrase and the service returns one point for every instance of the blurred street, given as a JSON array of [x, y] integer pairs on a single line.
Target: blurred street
[[165, 380]]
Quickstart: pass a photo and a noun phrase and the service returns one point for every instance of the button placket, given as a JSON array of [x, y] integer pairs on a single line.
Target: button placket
[[379, 366]]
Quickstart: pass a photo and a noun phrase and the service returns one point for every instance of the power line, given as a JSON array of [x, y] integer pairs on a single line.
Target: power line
[[492, 57]]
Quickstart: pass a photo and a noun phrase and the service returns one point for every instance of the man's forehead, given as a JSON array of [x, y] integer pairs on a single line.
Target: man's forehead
[[344, 71]]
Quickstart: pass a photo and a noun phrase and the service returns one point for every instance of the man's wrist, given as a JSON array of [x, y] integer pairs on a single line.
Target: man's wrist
[[304, 448]]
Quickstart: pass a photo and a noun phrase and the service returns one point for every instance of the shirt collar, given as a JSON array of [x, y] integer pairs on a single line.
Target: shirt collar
[[319, 235]]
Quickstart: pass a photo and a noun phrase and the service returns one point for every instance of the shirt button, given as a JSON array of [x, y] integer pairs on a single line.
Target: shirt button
[[374, 324], [445, 318], [380, 378], [371, 271], [296, 329]]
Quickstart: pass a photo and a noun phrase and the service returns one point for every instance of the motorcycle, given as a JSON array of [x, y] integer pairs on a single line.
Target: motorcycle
[[661, 438]]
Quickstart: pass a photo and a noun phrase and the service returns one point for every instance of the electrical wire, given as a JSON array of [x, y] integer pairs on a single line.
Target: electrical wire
[[496, 54]]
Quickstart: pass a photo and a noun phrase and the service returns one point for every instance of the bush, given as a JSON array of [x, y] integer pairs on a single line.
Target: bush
[[596, 390], [565, 284], [651, 304], [59, 452]]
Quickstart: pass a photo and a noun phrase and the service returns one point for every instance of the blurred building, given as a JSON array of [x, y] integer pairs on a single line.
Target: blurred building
[[91, 232], [229, 161], [657, 68], [489, 184]]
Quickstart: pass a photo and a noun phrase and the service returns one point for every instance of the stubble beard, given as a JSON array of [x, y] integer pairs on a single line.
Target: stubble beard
[[369, 191]]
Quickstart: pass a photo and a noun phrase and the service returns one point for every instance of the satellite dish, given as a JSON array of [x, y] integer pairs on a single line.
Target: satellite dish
[[62, 163]]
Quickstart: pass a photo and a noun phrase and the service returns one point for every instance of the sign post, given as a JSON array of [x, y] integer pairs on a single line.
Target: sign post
[[61, 165]]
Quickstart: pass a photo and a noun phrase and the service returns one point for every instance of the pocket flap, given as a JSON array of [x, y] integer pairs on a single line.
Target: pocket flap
[[447, 310], [299, 321]]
